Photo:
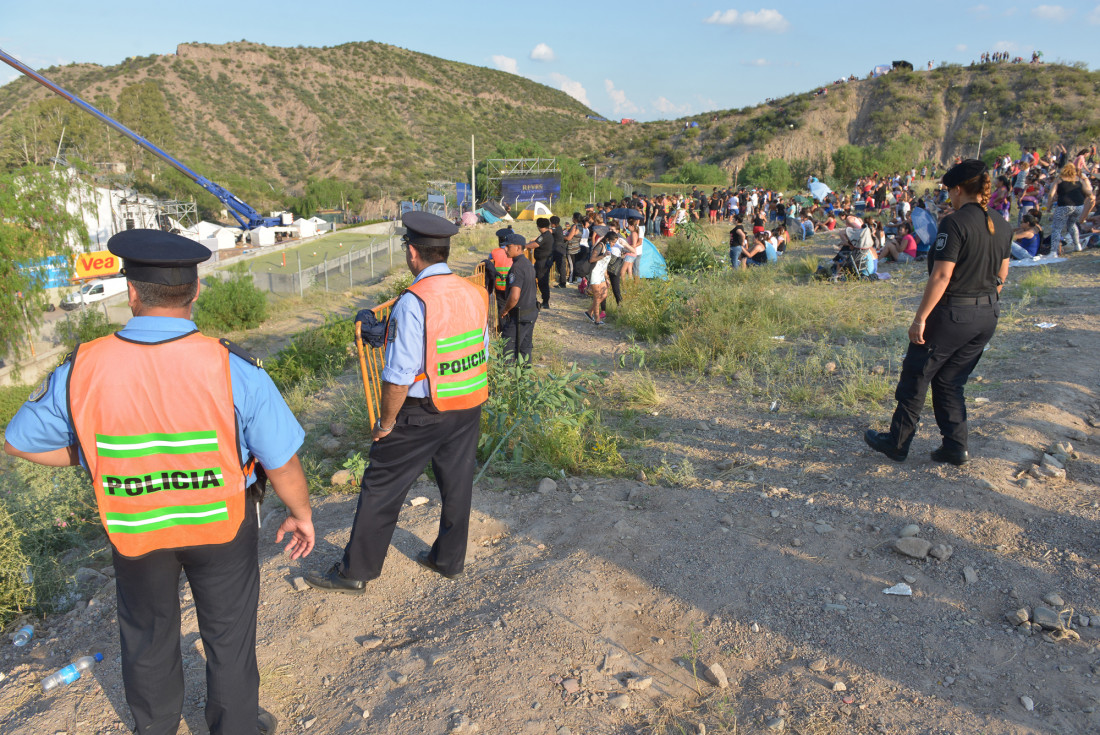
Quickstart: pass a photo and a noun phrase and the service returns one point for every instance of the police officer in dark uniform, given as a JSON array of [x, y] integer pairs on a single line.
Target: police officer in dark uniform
[[494, 266], [158, 375], [423, 417], [520, 309], [543, 250], [956, 318]]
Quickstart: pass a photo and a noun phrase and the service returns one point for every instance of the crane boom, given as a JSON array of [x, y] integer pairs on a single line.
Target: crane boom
[[248, 217]]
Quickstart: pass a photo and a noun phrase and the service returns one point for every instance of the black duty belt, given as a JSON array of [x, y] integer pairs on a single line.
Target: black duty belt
[[989, 298], [418, 402]]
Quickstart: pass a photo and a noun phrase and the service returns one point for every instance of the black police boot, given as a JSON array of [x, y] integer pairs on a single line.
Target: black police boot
[[424, 559], [334, 580], [884, 444], [957, 457], [266, 722]]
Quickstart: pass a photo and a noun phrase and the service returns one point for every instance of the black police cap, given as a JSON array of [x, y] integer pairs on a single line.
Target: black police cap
[[502, 234], [155, 256], [962, 172], [431, 230], [515, 239]]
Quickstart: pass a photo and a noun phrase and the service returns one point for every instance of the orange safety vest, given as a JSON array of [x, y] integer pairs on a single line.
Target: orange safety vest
[[158, 431], [503, 264], [455, 359]]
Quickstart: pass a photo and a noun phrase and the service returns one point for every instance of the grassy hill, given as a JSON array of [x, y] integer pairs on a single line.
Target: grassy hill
[[263, 121], [244, 113]]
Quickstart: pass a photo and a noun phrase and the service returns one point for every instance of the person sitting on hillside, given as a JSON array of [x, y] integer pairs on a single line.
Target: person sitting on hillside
[[1001, 200], [781, 238], [1026, 239], [737, 242], [756, 253], [806, 222], [902, 249]]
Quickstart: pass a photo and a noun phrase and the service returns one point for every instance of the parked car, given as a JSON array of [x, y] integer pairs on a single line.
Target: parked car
[[94, 291]]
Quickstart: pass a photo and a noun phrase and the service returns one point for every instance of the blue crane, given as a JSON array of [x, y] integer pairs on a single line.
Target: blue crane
[[248, 217]]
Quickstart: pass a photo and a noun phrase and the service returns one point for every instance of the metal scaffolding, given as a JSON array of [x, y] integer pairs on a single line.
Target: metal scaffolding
[[506, 168]]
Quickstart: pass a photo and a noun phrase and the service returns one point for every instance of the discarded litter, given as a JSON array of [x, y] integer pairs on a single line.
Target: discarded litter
[[781, 338], [774, 407], [901, 588], [1046, 325]]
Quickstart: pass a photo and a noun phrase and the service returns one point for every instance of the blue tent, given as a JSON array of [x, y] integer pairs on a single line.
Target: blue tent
[[487, 216], [651, 264]]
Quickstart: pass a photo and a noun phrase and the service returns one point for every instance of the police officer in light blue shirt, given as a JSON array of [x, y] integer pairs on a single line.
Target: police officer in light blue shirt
[[412, 431], [162, 286]]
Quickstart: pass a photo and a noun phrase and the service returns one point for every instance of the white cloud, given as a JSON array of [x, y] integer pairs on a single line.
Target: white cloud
[[979, 9], [572, 88], [1094, 16], [506, 63], [763, 19], [1006, 46], [757, 62], [618, 97], [960, 47], [1009, 12], [542, 52], [664, 106], [1055, 13]]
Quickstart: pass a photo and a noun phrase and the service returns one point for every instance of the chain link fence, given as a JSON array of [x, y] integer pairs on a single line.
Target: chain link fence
[[357, 267]]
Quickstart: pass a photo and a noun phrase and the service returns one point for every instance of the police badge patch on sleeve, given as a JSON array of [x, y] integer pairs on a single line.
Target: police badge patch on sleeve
[[37, 393], [941, 241]]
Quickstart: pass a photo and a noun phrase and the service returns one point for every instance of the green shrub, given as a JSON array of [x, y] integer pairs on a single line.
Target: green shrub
[[536, 423], [16, 596], [236, 303], [11, 398], [84, 326], [312, 354]]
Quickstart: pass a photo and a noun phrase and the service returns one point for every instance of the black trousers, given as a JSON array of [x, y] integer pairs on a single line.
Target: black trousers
[[560, 259], [542, 277], [954, 337], [225, 583], [449, 441], [517, 339]]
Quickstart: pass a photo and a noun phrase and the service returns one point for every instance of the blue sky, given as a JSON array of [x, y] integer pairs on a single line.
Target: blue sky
[[658, 60]]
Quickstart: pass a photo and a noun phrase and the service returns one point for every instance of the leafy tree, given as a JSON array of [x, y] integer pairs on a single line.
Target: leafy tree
[[141, 108], [327, 194], [697, 173], [37, 224], [848, 163]]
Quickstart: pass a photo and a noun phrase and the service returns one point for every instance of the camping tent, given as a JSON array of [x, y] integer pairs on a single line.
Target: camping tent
[[469, 219], [535, 209], [651, 264], [488, 216]]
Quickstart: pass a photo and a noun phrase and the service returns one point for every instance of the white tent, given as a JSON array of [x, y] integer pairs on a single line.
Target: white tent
[[261, 237], [305, 227], [222, 238]]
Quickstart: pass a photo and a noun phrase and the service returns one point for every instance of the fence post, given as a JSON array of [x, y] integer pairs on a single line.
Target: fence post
[[326, 272], [371, 254], [301, 289], [351, 277], [389, 246]]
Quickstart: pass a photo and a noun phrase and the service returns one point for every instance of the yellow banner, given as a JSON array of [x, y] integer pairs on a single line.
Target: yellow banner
[[99, 263]]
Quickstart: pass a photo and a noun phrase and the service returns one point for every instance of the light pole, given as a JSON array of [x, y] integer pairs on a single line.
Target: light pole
[[981, 135]]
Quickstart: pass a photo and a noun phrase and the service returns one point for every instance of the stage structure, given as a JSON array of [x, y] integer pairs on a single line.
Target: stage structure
[[525, 180]]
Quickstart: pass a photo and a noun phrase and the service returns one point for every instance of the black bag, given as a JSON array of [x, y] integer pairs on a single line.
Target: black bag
[[371, 330], [615, 267]]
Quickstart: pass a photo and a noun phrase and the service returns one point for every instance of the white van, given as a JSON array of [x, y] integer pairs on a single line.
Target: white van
[[94, 291]]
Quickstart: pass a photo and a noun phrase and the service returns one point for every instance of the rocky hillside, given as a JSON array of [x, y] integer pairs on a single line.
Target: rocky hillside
[[363, 112], [264, 120]]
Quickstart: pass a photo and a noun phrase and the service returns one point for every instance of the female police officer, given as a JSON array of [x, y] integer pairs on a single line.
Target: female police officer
[[955, 320]]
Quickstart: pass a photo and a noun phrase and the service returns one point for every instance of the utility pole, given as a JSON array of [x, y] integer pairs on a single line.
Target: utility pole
[[473, 179], [981, 135]]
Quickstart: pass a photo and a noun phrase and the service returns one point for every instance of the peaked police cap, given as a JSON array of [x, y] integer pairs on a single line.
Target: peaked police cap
[[155, 256], [431, 230]]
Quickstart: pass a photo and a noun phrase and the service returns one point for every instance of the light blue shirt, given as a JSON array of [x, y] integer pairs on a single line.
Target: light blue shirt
[[405, 348], [266, 427]]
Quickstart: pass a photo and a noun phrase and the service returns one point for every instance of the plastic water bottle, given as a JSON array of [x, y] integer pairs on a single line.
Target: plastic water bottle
[[23, 635], [71, 673]]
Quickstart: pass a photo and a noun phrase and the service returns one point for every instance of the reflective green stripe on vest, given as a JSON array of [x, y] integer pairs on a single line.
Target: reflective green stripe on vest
[[502, 276], [460, 342], [144, 445], [173, 515], [462, 387]]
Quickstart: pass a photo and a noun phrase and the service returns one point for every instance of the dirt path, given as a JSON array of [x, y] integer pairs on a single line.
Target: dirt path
[[584, 608]]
